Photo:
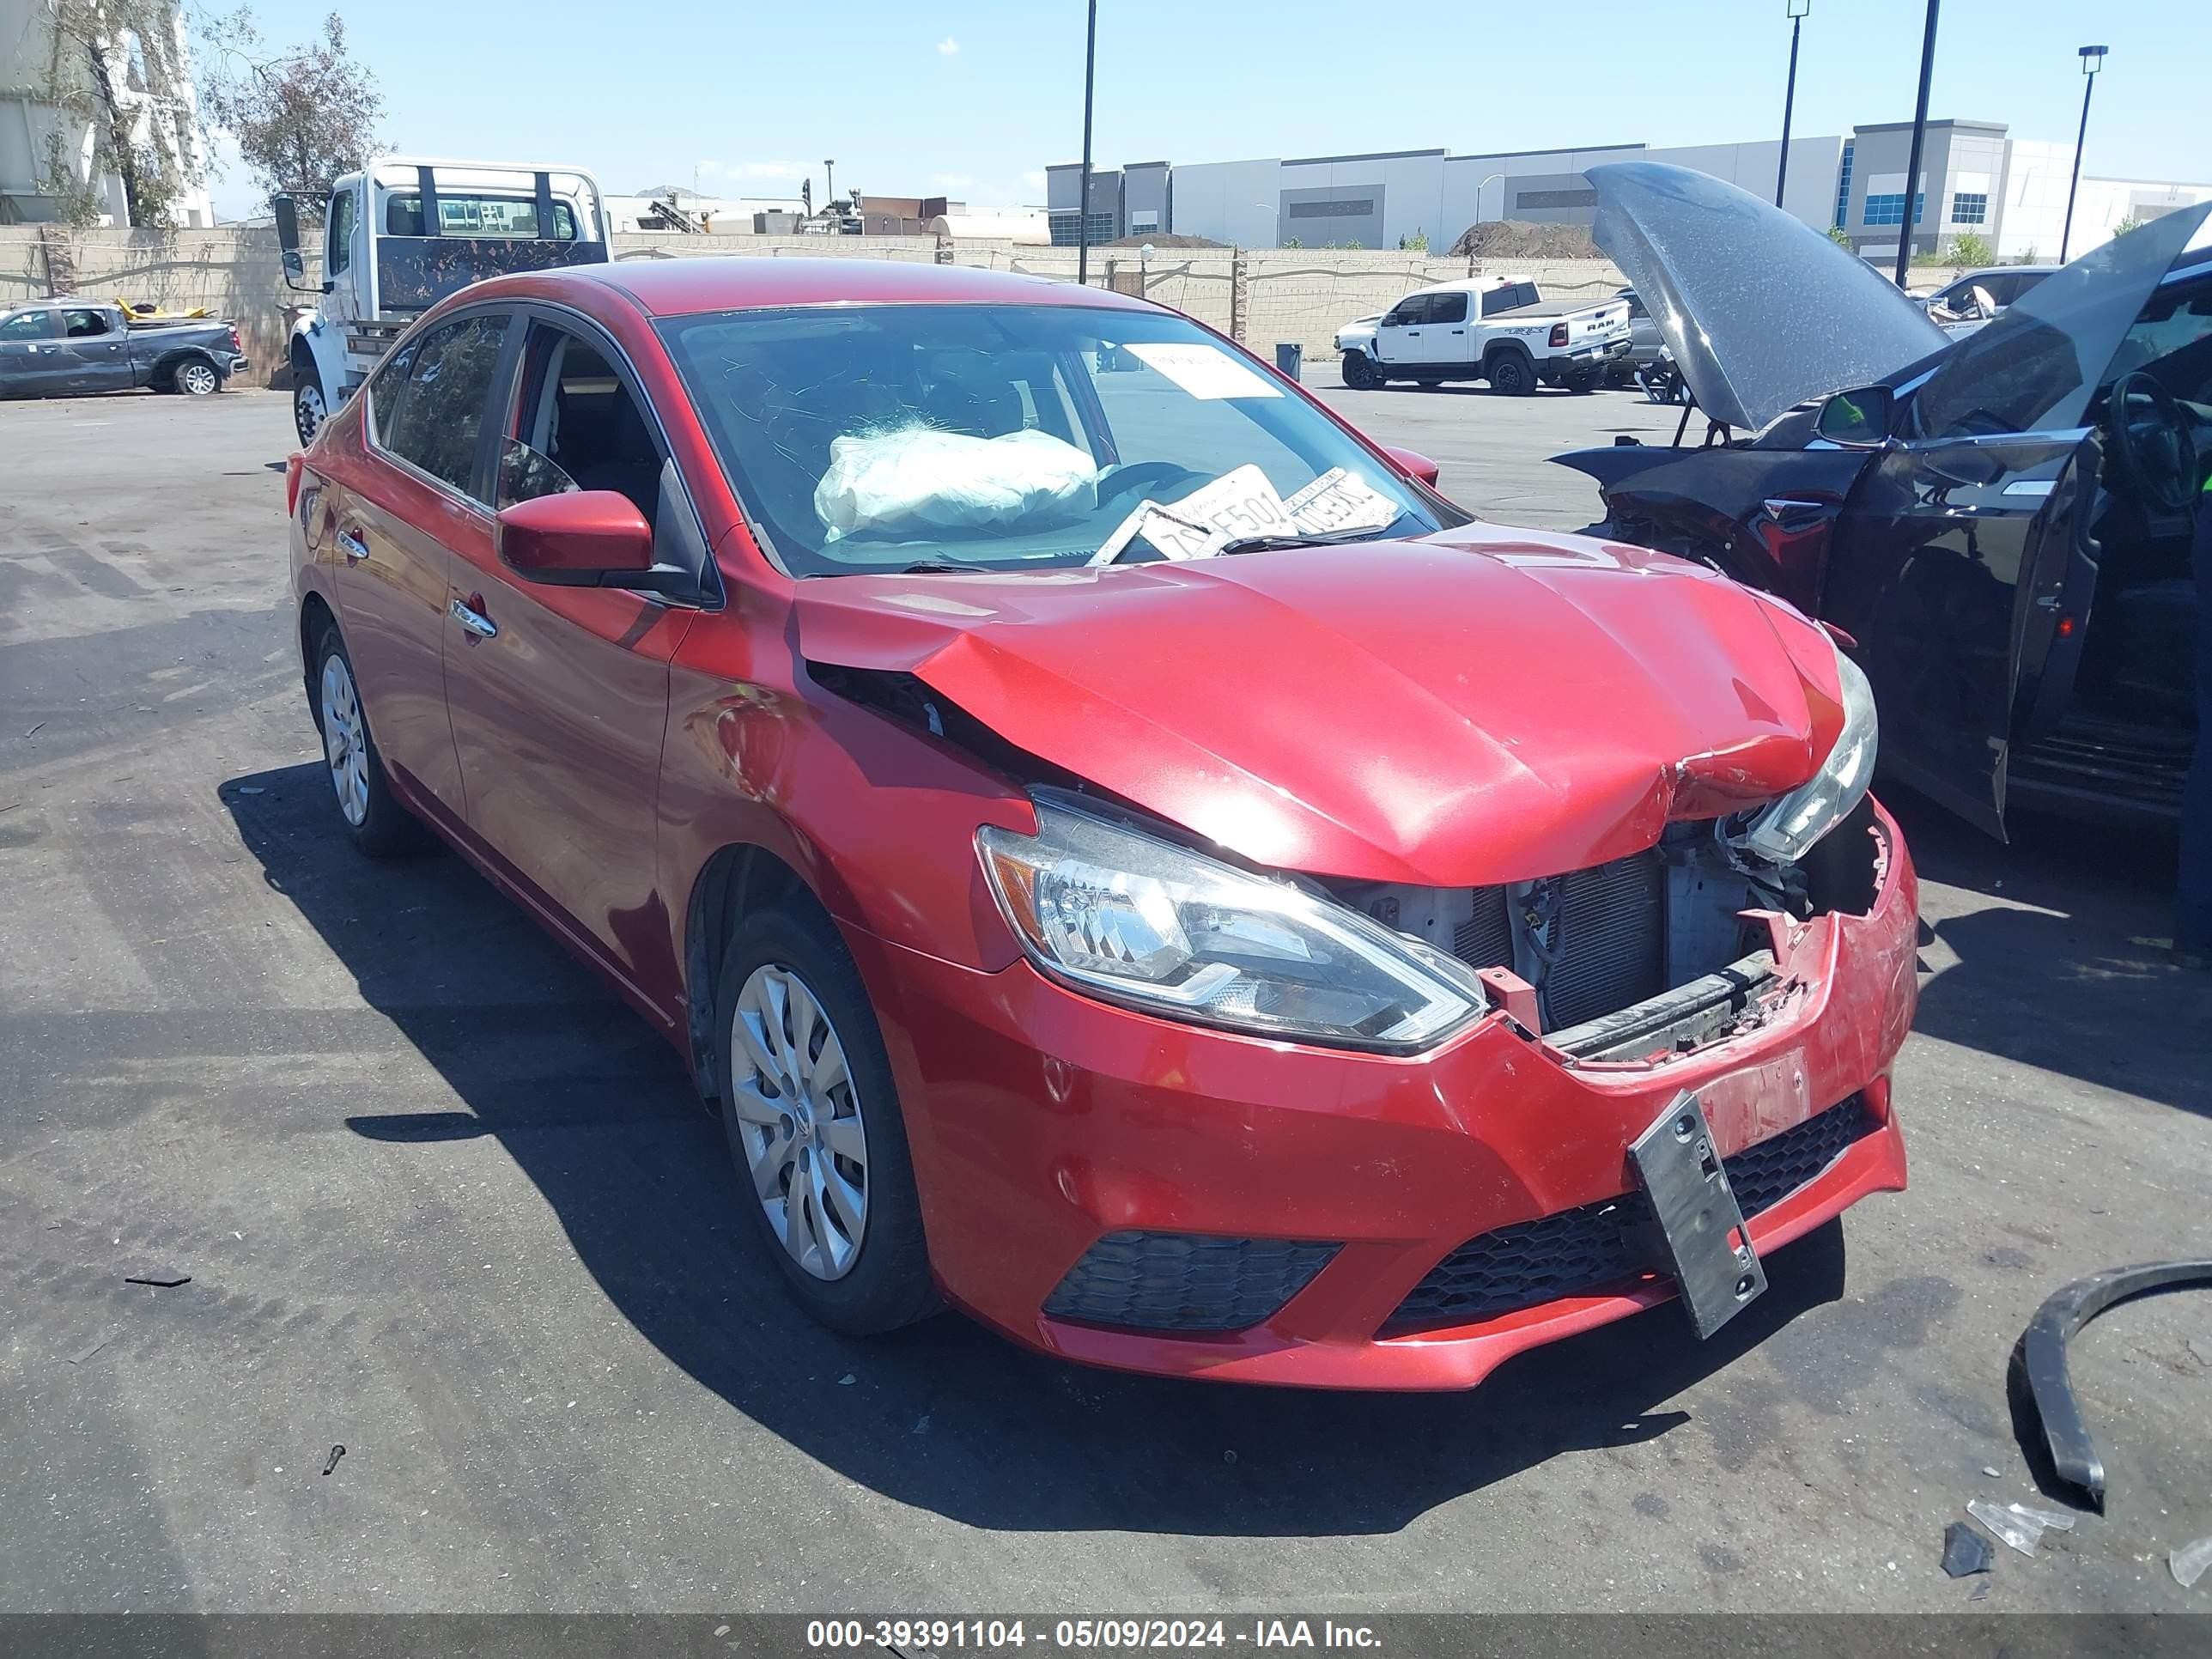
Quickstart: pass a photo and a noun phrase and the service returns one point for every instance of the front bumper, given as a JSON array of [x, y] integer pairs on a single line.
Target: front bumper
[[1041, 1121]]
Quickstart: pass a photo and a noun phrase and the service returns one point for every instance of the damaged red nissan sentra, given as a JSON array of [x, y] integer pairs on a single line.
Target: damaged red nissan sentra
[[1126, 857]]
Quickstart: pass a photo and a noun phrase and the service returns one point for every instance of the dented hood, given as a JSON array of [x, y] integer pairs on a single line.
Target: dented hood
[[1760, 310], [1480, 706]]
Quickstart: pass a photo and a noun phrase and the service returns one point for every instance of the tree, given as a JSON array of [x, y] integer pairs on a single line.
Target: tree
[[115, 72], [1417, 243], [301, 119], [1840, 237], [2127, 223], [1969, 248]]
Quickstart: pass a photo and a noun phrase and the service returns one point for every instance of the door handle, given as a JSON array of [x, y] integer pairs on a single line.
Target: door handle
[[480, 626], [352, 546]]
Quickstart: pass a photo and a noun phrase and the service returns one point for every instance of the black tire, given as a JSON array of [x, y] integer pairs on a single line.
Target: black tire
[[377, 824], [1359, 372], [887, 1283], [1510, 374], [310, 409], [1582, 385], [195, 377]]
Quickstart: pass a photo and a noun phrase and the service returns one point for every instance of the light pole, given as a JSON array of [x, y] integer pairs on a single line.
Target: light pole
[[828, 182], [1480, 187], [1795, 10], [1083, 202], [1919, 140], [2093, 59]]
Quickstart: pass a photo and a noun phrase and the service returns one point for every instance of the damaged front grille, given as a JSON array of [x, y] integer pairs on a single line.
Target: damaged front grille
[[1596, 941], [1608, 1245]]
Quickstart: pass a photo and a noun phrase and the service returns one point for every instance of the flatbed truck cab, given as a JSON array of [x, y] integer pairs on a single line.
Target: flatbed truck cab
[[406, 231]]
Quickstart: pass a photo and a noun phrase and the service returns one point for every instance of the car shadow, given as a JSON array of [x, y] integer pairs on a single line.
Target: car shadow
[[601, 1116], [2061, 970]]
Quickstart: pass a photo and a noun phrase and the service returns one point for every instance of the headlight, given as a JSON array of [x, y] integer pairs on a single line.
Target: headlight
[[1786, 830], [1140, 921]]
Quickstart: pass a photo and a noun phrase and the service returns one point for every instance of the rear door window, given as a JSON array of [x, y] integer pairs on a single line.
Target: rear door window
[[81, 323], [441, 414]]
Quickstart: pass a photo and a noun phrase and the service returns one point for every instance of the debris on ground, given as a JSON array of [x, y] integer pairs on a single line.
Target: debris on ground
[[2188, 1563], [1992, 1474], [166, 1278], [1965, 1551], [2039, 1364], [85, 1353], [2048, 1520], [2020, 1533], [332, 1463]]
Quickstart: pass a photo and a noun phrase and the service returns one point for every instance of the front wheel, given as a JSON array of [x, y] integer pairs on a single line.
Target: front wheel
[[309, 411], [814, 1125], [1359, 372]]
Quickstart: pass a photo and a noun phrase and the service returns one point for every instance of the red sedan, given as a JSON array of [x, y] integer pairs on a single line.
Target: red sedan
[[1123, 853]]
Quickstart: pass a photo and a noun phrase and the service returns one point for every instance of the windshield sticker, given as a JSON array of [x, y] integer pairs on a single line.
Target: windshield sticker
[[1204, 371], [1239, 503], [1338, 500]]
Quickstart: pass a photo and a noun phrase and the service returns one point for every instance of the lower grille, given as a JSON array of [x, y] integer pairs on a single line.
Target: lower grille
[[1185, 1281], [1582, 1251]]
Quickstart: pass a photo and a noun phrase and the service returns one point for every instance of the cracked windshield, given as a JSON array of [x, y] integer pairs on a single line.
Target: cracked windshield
[[905, 437]]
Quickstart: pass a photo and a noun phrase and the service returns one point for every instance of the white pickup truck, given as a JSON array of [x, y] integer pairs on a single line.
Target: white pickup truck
[[404, 232], [1493, 329]]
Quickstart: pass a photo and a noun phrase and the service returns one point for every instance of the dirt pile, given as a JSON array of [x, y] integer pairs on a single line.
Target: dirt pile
[[1518, 239]]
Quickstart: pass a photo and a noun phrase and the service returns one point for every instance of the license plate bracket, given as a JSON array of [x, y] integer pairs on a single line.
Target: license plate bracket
[[1708, 1247]]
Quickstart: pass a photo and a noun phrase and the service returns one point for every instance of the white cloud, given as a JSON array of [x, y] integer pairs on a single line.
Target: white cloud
[[947, 47]]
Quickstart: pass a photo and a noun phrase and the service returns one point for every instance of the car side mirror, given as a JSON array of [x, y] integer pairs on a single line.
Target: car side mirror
[[581, 538], [1858, 418], [1413, 463]]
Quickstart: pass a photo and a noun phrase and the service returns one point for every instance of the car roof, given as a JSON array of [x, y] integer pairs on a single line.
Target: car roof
[[684, 287]]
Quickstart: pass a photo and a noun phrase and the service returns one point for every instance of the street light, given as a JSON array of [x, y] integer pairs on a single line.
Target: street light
[[1083, 202], [2093, 59], [1795, 10]]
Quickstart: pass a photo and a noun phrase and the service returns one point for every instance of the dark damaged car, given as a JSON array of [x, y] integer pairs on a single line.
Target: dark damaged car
[[2000, 523]]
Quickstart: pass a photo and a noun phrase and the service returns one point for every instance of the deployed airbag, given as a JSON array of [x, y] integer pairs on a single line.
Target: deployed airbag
[[919, 479]]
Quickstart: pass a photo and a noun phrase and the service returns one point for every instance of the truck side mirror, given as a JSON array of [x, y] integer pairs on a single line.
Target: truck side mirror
[[1858, 418], [287, 240]]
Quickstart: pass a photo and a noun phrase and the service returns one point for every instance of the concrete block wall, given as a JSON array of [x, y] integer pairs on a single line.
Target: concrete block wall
[[1300, 294]]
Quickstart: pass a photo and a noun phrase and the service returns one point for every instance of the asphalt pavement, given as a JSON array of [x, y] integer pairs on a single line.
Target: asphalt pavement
[[445, 1202]]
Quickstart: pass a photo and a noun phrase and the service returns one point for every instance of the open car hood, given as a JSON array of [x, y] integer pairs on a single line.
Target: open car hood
[[1476, 707], [1760, 310]]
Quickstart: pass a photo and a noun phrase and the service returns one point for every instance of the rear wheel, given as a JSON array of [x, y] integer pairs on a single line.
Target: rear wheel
[[1511, 376], [814, 1125], [196, 377], [379, 825], [309, 411], [1359, 372], [1582, 383]]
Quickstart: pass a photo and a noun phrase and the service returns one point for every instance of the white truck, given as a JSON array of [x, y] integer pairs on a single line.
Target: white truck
[[404, 232], [1494, 329]]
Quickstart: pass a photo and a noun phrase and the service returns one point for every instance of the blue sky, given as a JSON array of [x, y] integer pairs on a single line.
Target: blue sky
[[974, 100]]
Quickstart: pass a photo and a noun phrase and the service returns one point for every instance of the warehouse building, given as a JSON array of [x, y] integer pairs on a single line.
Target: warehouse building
[[1974, 177]]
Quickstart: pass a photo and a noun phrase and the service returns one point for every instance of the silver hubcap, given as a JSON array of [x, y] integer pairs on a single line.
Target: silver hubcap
[[198, 379], [798, 1118], [346, 741], [308, 403]]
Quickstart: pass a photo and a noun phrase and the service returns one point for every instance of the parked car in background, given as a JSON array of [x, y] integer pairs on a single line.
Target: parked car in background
[[2002, 283], [1127, 858], [2000, 522], [1493, 329], [51, 347]]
